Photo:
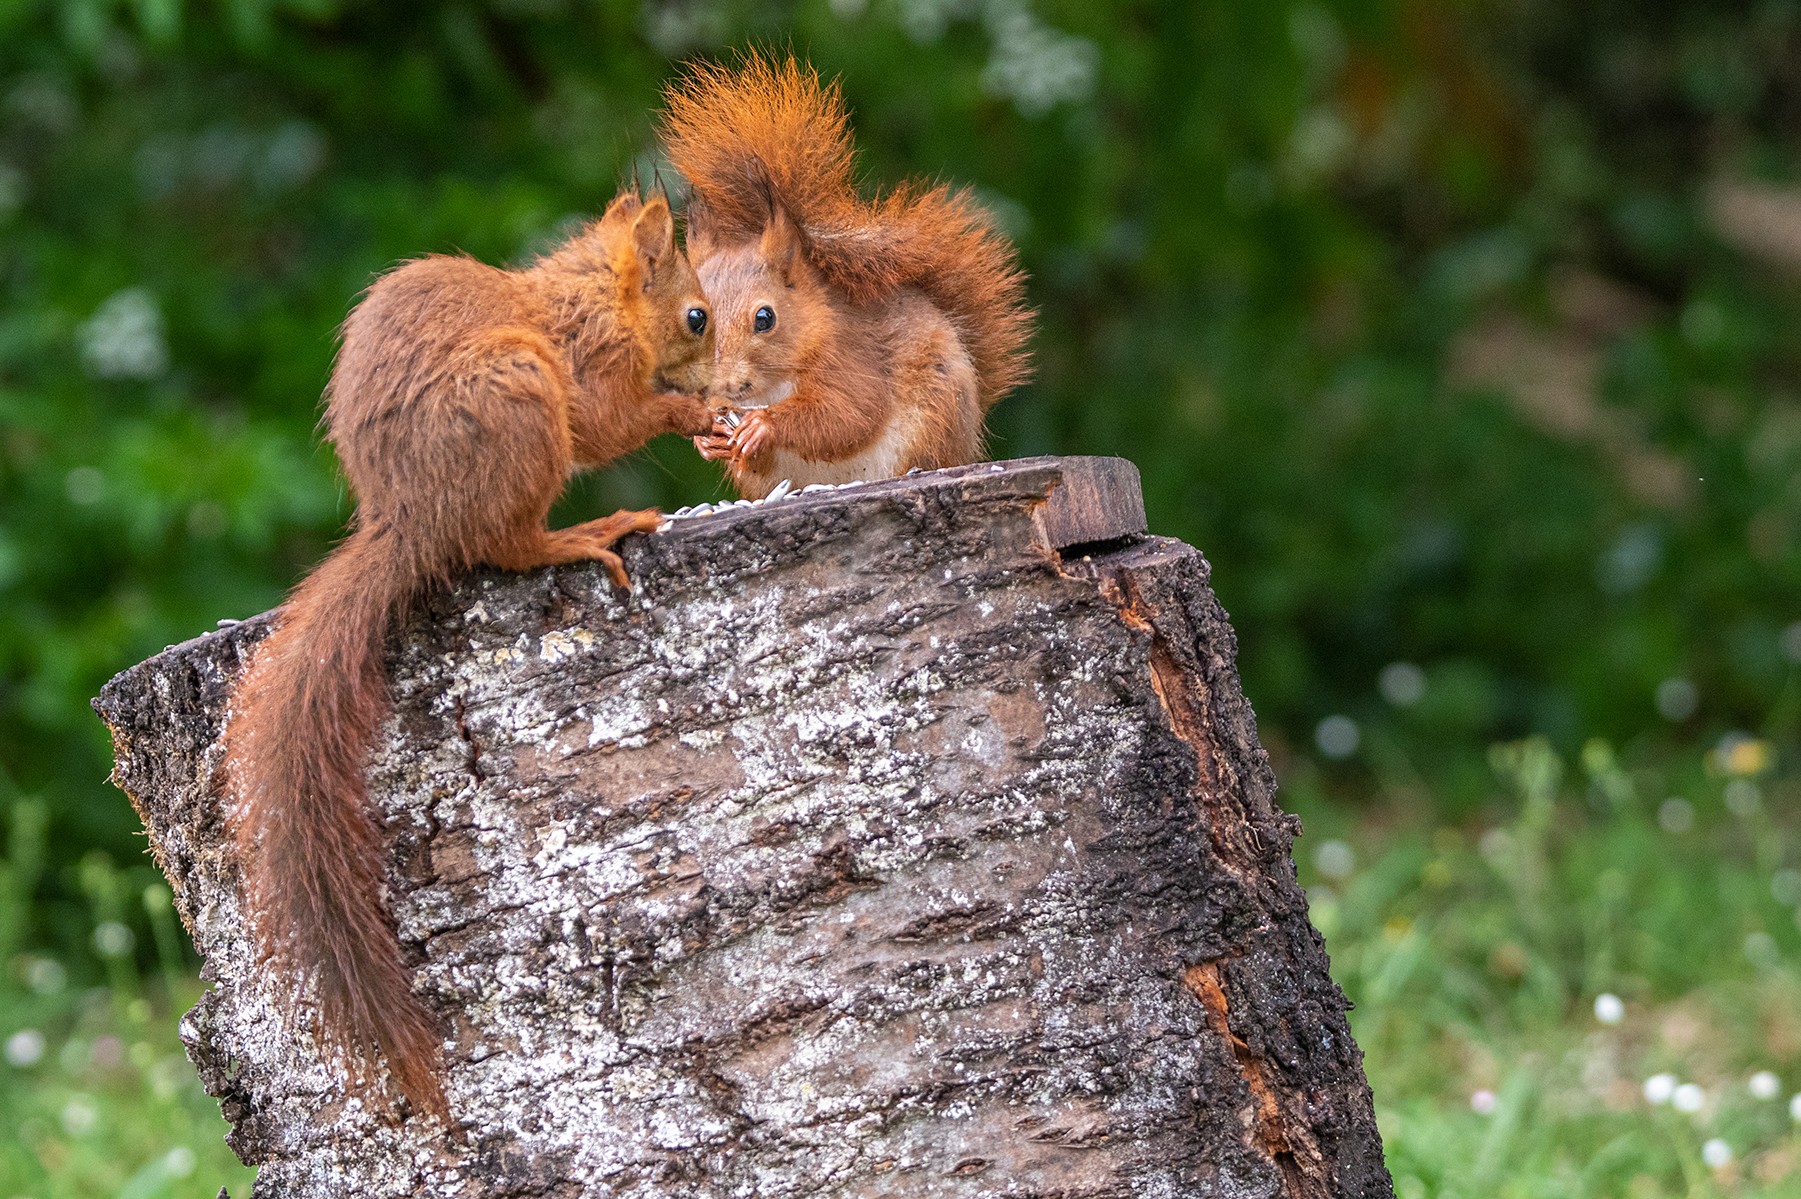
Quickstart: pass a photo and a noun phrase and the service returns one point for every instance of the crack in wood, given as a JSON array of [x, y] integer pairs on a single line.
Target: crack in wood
[[1282, 1141], [1284, 1136]]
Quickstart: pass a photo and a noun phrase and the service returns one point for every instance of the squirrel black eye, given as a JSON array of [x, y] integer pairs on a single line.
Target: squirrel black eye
[[697, 321], [764, 320]]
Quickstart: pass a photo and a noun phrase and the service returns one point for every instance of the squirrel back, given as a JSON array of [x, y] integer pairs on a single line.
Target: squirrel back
[[768, 139], [461, 398]]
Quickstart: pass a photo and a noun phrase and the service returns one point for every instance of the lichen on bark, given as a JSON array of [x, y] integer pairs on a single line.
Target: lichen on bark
[[903, 839]]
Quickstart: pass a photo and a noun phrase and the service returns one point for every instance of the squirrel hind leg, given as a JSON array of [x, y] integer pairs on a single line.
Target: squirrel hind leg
[[590, 541], [939, 389]]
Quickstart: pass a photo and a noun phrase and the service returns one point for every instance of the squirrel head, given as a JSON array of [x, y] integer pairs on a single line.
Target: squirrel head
[[774, 314], [669, 314]]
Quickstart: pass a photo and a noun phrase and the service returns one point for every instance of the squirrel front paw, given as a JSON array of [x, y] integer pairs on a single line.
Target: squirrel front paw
[[713, 447], [754, 437], [716, 444]]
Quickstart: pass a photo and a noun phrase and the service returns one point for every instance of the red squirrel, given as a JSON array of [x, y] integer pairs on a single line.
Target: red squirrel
[[857, 339], [461, 399]]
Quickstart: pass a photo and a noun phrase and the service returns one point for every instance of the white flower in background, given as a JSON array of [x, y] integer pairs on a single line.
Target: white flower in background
[[1609, 1008], [25, 1048], [208, 520], [179, 1162], [1677, 699], [1337, 737], [927, 20], [85, 485], [112, 939], [1029, 63], [1659, 1088], [1320, 144], [108, 1053], [1033, 65], [124, 337], [1335, 860], [1688, 1098], [219, 155], [1402, 684], [1676, 815], [1743, 798], [1319, 37], [1794, 1108], [292, 155], [1631, 561], [46, 976], [677, 29], [1739, 753], [1483, 1102], [1764, 1085], [79, 1115], [1717, 1154]]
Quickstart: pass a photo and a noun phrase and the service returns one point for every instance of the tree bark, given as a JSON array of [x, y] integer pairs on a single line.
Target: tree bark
[[904, 839]]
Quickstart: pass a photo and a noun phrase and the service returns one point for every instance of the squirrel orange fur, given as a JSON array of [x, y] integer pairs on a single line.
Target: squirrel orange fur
[[857, 338], [462, 397]]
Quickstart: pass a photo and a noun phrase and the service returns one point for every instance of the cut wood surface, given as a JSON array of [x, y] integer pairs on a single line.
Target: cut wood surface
[[903, 839]]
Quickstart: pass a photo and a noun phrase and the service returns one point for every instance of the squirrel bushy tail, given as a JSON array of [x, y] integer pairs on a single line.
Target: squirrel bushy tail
[[303, 719], [768, 134]]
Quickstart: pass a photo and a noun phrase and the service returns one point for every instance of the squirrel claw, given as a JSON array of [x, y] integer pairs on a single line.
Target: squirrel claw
[[610, 562], [754, 435], [645, 520], [713, 447]]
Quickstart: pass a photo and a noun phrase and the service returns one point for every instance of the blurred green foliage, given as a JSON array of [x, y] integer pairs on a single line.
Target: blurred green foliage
[[1462, 337]]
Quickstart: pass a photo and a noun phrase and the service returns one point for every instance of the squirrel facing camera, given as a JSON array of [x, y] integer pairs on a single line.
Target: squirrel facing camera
[[462, 398], [857, 338]]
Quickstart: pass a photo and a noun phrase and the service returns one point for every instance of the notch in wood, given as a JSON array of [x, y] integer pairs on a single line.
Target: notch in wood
[[1099, 500]]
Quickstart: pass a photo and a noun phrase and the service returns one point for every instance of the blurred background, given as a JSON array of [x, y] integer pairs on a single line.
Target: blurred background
[[1462, 338]]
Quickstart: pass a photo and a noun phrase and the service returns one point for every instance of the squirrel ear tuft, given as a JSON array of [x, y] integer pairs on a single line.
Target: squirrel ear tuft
[[623, 206], [701, 234], [781, 243], [653, 232]]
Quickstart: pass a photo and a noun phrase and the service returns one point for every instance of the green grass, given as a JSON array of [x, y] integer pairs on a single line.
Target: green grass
[[112, 1107], [96, 1095], [1476, 956], [1475, 953]]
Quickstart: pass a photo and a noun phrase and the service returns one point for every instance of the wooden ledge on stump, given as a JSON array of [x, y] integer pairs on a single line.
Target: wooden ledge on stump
[[900, 839]]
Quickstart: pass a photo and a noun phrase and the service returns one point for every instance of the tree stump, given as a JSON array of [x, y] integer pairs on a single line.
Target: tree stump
[[902, 839]]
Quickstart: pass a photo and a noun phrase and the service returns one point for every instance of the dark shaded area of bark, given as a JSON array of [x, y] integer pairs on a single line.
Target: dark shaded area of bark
[[904, 839]]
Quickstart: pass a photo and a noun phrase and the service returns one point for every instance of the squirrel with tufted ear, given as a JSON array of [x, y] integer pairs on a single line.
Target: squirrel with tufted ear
[[857, 338], [461, 399]]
